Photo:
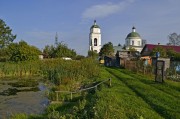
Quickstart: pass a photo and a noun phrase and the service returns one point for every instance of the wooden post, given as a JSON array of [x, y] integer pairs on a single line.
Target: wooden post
[[109, 82], [57, 96], [71, 95]]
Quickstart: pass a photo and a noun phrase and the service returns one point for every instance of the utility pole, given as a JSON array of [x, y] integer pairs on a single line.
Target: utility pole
[[56, 39]]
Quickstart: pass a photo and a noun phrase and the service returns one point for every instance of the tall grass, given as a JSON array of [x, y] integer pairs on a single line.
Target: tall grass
[[69, 73], [11, 69]]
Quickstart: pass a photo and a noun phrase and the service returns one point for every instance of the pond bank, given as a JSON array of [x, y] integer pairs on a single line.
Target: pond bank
[[24, 98]]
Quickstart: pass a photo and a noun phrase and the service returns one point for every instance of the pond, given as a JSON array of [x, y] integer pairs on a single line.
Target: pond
[[22, 97]]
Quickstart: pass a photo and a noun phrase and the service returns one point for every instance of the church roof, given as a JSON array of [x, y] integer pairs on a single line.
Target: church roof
[[133, 34], [95, 25]]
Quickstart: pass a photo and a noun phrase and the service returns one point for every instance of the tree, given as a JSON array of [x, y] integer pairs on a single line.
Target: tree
[[132, 49], [174, 39], [92, 54], [159, 49], [58, 51], [6, 37], [21, 51], [107, 49]]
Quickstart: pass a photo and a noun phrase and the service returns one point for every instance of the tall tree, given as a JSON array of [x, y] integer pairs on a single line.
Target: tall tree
[[22, 52], [174, 39], [58, 51], [107, 49], [6, 36]]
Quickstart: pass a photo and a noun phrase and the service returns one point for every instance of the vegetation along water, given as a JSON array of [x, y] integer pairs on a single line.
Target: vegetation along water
[[131, 95]]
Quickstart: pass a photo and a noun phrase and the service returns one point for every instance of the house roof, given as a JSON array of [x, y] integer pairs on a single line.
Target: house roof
[[151, 46]]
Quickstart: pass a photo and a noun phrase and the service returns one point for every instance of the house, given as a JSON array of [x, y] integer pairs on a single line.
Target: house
[[146, 52], [110, 61], [124, 55], [147, 49]]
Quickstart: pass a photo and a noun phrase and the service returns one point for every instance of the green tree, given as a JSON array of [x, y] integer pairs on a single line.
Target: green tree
[[48, 51], [132, 49], [21, 51], [107, 49], [93, 54], [6, 36], [58, 51], [159, 49]]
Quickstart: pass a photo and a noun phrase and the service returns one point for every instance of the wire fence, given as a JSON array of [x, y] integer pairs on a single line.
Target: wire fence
[[81, 90]]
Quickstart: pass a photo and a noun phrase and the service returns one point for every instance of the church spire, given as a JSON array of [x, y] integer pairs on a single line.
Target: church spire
[[133, 29], [94, 22]]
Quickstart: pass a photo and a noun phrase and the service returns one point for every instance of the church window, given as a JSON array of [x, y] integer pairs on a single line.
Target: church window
[[95, 42], [139, 43], [132, 42]]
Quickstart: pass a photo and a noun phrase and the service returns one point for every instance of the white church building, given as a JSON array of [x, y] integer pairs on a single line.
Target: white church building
[[95, 38], [134, 41]]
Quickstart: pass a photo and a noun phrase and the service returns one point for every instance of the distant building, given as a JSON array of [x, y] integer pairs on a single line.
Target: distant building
[[133, 40], [95, 38], [117, 48], [147, 49]]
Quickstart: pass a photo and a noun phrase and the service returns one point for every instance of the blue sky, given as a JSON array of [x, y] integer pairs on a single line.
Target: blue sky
[[37, 21]]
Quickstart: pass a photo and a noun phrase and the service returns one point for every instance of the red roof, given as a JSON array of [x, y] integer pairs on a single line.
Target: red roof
[[151, 46]]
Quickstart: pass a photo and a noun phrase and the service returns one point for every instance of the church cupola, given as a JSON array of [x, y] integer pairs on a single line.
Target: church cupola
[[133, 40], [133, 29], [95, 38]]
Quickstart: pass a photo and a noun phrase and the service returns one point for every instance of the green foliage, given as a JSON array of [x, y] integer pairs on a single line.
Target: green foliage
[[159, 49], [166, 52], [132, 49], [80, 57], [69, 73], [18, 52], [21, 69], [107, 49], [22, 52], [58, 51], [93, 54], [6, 37]]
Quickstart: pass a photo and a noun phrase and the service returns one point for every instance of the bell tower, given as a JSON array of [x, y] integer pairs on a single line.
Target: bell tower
[[95, 38]]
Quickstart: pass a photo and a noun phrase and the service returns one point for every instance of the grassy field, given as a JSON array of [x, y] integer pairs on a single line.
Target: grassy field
[[137, 96], [131, 96]]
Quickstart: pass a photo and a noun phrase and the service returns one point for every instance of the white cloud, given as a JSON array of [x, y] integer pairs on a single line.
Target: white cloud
[[104, 10]]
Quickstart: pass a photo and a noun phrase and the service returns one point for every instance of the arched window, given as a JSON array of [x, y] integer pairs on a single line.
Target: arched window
[[95, 42], [132, 42]]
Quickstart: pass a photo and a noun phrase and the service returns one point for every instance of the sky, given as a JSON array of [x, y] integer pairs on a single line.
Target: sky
[[38, 21]]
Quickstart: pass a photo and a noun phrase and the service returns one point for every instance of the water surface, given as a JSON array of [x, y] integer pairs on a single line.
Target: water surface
[[21, 99]]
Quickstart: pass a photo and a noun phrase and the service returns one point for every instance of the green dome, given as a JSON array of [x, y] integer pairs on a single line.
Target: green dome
[[133, 34], [95, 26]]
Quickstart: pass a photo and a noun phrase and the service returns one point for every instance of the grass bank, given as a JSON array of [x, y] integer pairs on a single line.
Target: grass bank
[[131, 96]]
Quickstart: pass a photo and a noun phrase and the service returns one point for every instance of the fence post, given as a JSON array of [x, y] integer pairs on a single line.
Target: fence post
[[57, 96], [109, 82]]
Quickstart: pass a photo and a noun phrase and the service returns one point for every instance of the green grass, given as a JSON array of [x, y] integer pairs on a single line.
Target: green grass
[[143, 97], [131, 96]]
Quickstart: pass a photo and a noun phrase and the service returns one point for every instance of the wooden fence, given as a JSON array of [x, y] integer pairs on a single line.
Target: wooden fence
[[85, 89], [138, 66]]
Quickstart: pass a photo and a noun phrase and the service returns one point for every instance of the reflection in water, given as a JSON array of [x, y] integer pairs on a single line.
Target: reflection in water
[[26, 100]]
